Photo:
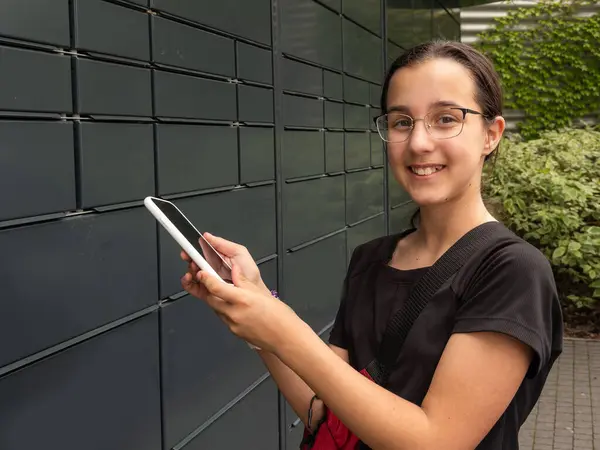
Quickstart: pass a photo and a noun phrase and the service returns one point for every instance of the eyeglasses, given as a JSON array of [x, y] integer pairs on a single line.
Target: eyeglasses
[[441, 123]]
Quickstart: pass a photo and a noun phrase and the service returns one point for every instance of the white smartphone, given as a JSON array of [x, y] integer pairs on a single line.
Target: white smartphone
[[190, 240], [188, 237]]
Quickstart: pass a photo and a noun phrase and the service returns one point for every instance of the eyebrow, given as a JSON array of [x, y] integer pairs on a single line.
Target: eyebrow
[[405, 109]]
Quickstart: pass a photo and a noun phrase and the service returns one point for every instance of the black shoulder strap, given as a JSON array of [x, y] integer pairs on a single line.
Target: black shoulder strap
[[399, 325]]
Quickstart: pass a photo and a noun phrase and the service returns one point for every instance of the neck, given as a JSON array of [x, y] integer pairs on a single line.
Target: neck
[[440, 226]]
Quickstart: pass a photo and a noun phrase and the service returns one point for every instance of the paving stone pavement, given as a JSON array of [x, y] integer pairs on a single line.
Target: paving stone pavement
[[567, 415]]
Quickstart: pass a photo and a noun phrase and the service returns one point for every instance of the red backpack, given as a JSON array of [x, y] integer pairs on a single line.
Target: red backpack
[[331, 433]]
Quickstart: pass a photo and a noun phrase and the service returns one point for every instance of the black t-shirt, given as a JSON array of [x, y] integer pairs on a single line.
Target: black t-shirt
[[508, 287]]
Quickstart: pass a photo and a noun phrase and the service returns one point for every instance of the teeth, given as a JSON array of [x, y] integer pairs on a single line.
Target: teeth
[[426, 170]]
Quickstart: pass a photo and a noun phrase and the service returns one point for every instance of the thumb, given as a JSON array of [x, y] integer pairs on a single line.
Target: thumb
[[239, 279], [215, 286]]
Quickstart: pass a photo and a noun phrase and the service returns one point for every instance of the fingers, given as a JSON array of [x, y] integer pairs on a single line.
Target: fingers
[[187, 280], [225, 247], [188, 283], [193, 287], [192, 266]]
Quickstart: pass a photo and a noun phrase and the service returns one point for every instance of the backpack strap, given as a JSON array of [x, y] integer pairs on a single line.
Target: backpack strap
[[441, 271]]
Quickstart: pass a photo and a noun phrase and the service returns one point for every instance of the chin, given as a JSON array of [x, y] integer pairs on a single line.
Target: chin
[[428, 196], [425, 200]]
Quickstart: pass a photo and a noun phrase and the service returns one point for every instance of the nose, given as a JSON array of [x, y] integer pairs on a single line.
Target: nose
[[420, 141]]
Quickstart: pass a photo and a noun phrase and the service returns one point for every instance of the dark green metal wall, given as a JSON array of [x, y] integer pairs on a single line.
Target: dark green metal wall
[[254, 116]]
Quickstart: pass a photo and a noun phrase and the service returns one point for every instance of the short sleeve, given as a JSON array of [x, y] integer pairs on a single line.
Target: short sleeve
[[513, 292], [337, 336]]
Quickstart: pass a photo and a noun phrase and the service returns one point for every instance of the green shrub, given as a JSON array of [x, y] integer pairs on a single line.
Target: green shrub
[[548, 192], [548, 58]]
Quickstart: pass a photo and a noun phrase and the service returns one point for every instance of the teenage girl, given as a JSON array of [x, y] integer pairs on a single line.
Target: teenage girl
[[476, 359]]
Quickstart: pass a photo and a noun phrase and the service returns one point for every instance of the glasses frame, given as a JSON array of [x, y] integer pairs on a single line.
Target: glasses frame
[[465, 111]]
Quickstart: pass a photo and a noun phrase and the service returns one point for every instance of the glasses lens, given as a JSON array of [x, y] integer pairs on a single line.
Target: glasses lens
[[445, 123], [394, 127]]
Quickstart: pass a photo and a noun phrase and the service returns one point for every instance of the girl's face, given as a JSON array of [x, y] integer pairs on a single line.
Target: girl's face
[[434, 171]]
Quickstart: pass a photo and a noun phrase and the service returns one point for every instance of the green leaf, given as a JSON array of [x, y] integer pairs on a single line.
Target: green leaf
[[595, 231], [559, 252]]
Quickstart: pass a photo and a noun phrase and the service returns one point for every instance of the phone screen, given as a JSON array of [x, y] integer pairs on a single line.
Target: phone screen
[[211, 256]]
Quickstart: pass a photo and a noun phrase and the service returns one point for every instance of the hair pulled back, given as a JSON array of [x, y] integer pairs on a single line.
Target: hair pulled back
[[487, 82]]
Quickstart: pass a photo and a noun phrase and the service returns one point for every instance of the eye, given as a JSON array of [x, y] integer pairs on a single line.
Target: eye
[[401, 123], [446, 118]]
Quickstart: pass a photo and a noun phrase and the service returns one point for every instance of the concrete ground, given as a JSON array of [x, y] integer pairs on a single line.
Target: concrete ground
[[567, 416]]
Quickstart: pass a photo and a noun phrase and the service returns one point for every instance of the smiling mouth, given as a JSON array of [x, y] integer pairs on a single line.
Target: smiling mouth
[[424, 171]]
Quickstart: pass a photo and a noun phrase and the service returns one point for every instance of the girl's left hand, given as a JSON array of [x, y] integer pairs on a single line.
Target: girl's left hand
[[256, 317]]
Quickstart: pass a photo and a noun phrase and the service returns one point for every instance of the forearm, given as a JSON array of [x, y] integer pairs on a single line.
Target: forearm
[[293, 388], [378, 417]]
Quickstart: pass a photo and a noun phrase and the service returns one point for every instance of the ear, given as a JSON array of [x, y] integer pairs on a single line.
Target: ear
[[494, 132]]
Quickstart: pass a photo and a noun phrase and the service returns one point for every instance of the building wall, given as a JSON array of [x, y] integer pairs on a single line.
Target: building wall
[[254, 117]]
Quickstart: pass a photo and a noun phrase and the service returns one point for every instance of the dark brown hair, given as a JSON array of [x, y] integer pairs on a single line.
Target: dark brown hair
[[487, 81]]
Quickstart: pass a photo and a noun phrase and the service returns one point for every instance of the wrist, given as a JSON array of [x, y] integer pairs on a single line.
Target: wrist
[[292, 334], [316, 413], [264, 288], [266, 291]]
